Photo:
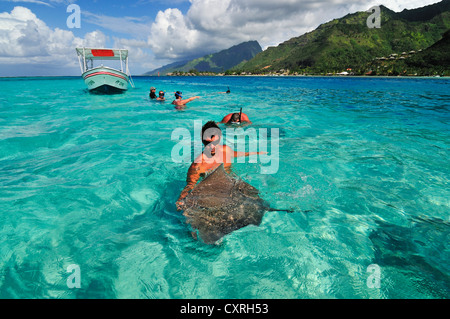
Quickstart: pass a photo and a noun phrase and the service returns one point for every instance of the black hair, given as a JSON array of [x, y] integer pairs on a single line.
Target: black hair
[[234, 118], [211, 129]]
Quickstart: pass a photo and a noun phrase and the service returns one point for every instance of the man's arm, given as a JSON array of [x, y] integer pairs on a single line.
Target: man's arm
[[244, 118], [225, 119], [242, 154], [193, 175], [190, 99]]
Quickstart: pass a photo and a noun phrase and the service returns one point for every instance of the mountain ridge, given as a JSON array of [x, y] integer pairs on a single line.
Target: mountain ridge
[[214, 62]]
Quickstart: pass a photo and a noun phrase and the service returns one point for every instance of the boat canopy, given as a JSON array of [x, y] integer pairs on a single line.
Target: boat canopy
[[102, 54]]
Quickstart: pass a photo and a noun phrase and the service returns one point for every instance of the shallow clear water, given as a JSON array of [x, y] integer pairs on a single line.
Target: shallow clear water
[[89, 180]]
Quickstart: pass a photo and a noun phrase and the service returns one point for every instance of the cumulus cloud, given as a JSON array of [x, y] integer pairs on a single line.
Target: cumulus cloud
[[217, 24], [211, 25], [139, 55], [20, 35], [172, 36], [25, 39]]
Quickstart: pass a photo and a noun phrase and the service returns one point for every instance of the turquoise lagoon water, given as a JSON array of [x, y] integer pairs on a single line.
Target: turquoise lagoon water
[[89, 180]]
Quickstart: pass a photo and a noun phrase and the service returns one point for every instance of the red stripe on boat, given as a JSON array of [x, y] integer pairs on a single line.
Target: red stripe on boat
[[99, 52], [107, 73]]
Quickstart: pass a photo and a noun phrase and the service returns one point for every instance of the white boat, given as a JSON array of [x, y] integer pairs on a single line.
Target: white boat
[[103, 79]]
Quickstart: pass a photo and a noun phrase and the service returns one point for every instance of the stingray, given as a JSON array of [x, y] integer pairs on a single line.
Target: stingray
[[222, 203]]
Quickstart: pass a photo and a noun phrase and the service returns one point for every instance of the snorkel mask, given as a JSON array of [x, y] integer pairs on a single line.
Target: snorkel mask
[[178, 94], [215, 142], [210, 133], [236, 118]]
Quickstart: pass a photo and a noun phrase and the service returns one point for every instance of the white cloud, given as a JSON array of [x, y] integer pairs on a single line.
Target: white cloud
[[171, 36], [94, 39], [25, 39], [211, 25], [22, 34], [139, 55]]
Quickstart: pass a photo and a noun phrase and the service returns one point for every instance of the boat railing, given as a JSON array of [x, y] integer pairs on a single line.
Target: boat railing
[[91, 54]]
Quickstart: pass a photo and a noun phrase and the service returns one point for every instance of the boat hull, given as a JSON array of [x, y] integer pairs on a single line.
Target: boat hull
[[105, 80]]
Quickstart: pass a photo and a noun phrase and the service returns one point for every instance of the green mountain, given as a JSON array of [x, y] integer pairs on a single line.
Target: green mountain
[[167, 68], [347, 43], [217, 62]]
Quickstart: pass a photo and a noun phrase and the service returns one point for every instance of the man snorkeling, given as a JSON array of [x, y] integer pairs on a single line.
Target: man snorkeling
[[152, 93], [235, 118], [227, 91], [179, 102], [213, 155], [161, 96]]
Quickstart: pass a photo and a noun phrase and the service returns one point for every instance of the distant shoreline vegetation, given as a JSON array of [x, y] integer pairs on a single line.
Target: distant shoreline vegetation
[[76, 77], [282, 72]]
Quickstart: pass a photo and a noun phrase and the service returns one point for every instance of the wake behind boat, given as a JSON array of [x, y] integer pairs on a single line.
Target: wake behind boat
[[103, 79]]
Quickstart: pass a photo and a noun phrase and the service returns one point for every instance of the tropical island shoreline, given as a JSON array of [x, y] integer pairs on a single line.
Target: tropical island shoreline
[[187, 74]]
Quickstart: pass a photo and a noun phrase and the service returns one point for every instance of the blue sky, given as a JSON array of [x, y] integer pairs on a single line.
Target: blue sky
[[55, 14], [35, 38]]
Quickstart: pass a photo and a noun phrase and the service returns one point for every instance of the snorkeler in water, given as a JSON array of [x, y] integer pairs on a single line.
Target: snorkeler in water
[[236, 118], [228, 91], [179, 102], [161, 96], [152, 93]]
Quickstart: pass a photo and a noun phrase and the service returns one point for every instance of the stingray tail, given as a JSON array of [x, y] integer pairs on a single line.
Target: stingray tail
[[288, 210]]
